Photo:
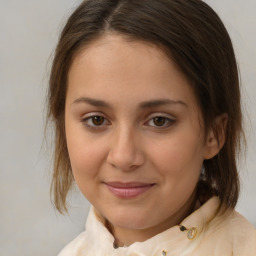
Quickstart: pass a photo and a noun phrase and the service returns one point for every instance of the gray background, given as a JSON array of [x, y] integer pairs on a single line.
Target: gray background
[[29, 225]]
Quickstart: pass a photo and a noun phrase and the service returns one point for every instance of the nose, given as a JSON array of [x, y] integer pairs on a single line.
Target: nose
[[125, 153]]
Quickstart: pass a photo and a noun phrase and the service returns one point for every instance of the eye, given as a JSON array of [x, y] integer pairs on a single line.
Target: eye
[[160, 121], [95, 121]]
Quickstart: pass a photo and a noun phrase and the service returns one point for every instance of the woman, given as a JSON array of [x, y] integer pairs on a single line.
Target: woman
[[146, 104]]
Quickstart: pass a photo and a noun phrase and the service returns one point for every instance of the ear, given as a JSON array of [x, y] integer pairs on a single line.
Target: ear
[[215, 138]]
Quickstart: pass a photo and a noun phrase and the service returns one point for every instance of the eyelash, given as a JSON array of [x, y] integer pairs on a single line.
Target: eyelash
[[87, 121], [167, 121]]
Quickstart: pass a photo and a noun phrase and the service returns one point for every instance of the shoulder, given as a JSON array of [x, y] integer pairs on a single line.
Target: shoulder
[[87, 243], [237, 225], [223, 231], [75, 247], [243, 234], [233, 230]]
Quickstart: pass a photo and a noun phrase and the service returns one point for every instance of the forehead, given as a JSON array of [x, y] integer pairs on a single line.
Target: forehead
[[115, 65], [114, 50]]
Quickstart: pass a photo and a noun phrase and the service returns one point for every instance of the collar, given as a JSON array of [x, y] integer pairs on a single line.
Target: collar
[[178, 238]]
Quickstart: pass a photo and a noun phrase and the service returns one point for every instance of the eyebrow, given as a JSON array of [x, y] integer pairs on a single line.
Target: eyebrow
[[143, 105], [161, 102], [93, 102]]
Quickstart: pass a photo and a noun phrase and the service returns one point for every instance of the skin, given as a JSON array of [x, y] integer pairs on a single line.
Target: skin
[[127, 84]]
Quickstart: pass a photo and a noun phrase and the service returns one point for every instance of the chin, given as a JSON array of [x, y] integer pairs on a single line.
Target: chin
[[129, 220]]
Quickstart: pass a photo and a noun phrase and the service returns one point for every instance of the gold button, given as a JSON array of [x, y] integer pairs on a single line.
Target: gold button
[[164, 253], [192, 232]]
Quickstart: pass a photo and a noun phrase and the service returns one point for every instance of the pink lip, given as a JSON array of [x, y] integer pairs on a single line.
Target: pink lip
[[128, 190]]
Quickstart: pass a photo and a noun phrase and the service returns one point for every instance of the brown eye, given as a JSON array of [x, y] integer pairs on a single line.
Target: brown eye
[[95, 122], [159, 121], [98, 120]]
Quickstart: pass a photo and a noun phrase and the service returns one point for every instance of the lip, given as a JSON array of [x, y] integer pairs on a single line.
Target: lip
[[127, 190]]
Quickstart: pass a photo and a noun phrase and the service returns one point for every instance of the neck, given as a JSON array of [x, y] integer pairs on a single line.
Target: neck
[[125, 237]]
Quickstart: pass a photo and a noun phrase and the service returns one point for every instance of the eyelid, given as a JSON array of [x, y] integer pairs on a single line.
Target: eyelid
[[86, 117], [92, 114], [169, 118], [161, 114]]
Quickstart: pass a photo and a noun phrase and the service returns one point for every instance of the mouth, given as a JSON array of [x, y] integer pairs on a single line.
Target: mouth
[[128, 190]]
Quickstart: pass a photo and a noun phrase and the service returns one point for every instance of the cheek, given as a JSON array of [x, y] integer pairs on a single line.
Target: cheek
[[178, 155], [180, 166], [86, 162], [84, 157], [85, 154]]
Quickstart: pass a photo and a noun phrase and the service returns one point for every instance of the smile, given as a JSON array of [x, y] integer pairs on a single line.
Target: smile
[[127, 190]]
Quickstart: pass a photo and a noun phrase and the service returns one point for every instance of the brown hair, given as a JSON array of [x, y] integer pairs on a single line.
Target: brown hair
[[193, 36]]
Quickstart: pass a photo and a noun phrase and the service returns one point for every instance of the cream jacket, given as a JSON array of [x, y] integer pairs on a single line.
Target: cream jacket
[[204, 233]]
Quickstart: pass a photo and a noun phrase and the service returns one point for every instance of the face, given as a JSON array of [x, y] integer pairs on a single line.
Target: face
[[134, 133]]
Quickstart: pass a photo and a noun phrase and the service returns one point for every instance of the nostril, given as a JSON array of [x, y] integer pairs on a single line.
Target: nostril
[[125, 162], [124, 151]]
